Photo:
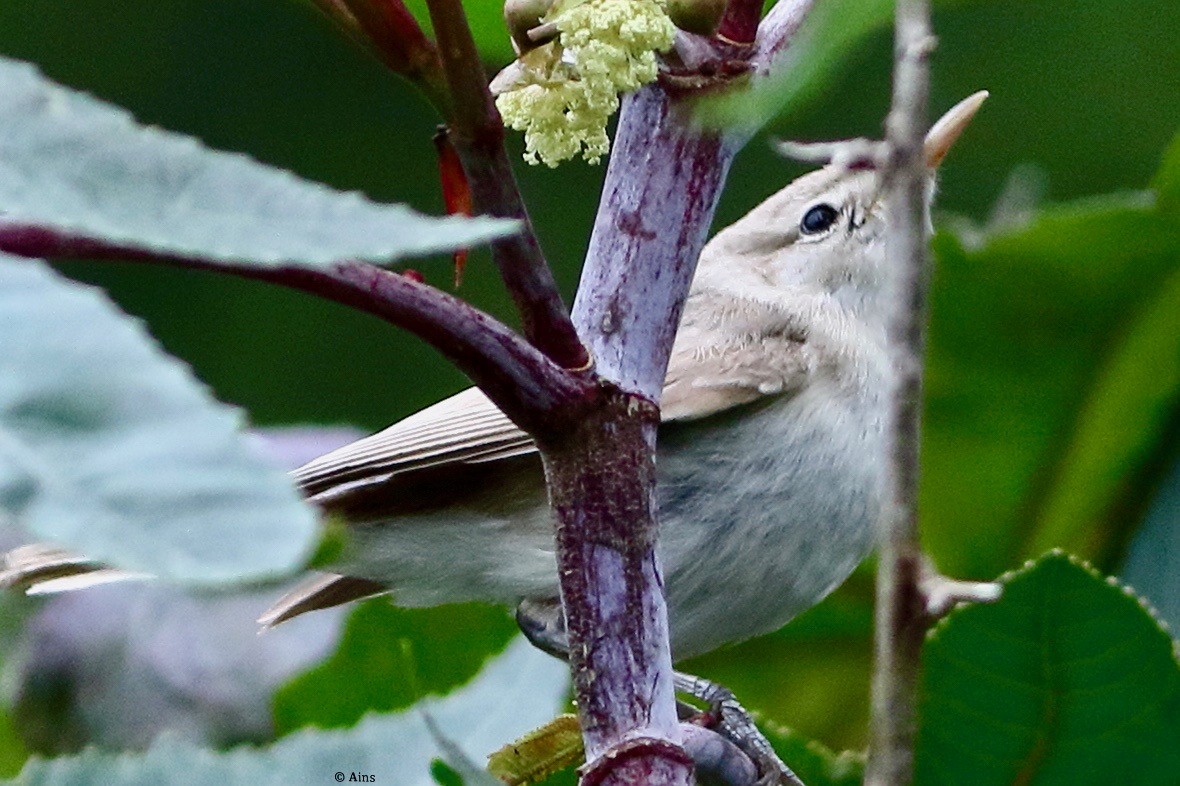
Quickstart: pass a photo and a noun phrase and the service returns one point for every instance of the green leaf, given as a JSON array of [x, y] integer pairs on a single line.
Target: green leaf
[[1026, 331], [831, 33], [519, 690], [111, 448], [1167, 180], [12, 750], [1127, 410], [487, 27], [815, 764], [389, 658], [1067, 679], [444, 774], [76, 165], [555, 746]]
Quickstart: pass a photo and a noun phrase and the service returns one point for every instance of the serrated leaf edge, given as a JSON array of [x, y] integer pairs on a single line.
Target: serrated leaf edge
[[1113, 581]]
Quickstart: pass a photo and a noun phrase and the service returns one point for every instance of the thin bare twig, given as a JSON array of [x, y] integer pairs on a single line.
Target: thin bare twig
[[477, 132], [536, 393], [847, 154], [900, 612]]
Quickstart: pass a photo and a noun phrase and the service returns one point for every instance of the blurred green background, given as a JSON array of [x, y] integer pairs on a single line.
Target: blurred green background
[[1084, 102]]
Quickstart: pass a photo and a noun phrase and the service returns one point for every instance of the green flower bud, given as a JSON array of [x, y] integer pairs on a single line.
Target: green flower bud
[[696, 16]]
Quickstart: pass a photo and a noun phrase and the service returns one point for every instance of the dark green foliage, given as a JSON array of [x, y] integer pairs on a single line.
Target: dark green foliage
[[389, 658], [815, 764], [1052, 370], [1066, 680], [444, 775]]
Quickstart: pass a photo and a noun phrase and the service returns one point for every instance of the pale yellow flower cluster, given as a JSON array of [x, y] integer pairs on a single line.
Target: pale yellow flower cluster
[[568, 89]]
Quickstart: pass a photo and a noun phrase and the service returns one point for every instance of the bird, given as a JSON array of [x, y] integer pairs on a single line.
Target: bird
[[771, 451]]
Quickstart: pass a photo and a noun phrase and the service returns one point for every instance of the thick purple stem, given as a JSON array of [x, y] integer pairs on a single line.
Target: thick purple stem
[[662, 187], [777, 31], [531, 389]]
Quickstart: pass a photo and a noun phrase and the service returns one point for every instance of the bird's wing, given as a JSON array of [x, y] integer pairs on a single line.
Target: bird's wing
[[41, 569], [466, 428], [319, 591], [732, 351]]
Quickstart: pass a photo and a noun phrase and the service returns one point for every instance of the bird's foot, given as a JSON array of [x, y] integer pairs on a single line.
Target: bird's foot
[[543, 625], [733, 721]]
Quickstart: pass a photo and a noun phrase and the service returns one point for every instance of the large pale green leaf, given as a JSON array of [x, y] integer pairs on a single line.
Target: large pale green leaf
[[111, 448], [389, 658], [74, 164], [1066, 680], [521, 689]]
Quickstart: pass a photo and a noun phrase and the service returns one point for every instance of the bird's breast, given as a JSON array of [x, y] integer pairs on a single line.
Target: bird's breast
[[765, 510]]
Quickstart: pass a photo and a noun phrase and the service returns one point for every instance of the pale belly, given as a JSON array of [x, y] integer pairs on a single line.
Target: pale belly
[[763, 515]]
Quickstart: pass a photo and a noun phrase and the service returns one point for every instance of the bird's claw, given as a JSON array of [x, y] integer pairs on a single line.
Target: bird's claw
[[736, 724]]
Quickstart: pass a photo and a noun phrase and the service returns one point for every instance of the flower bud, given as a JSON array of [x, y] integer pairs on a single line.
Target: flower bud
[[521, 16], [696, 16]]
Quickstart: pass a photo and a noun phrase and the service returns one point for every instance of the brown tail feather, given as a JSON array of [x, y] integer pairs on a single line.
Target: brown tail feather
[[40, 568], [322, 591]]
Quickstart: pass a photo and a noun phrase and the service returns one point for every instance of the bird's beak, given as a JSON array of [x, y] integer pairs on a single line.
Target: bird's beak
[[942, 135]]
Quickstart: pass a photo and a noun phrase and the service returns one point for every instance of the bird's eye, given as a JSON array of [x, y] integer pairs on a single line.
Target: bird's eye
[[818, 219]]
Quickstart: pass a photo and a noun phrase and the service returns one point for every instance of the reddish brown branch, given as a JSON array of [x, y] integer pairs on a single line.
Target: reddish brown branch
[[477, 132], [536, 393], [739, 23], [391, 32]]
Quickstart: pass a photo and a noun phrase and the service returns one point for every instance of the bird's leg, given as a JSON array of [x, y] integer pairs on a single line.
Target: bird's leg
[[543, 624], [735, 723]]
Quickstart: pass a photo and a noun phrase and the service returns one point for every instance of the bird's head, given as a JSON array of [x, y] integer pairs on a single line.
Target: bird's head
[[824, 232]]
